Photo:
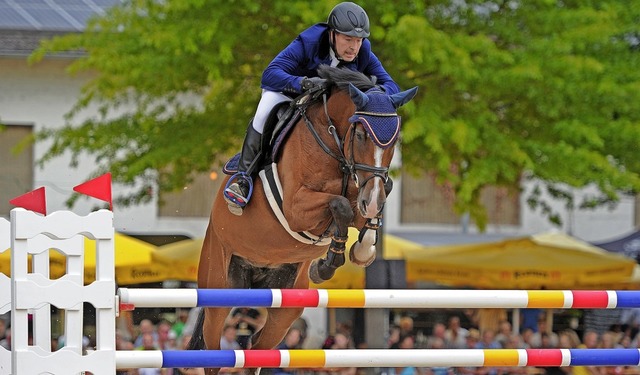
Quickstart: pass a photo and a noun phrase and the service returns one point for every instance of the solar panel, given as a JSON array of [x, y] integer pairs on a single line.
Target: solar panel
[[11, 19], [74, 2], [50, 15]]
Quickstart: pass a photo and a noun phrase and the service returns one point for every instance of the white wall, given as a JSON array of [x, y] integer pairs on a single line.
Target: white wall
[[40, 95], [589, 225]]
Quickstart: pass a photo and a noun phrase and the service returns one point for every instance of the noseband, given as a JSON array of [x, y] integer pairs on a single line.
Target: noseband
[[348, 166]]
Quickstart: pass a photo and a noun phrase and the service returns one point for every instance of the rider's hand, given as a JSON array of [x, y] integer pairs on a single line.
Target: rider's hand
[[313, 83]]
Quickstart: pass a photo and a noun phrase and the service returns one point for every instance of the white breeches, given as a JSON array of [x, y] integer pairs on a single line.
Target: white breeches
[[268, 100]]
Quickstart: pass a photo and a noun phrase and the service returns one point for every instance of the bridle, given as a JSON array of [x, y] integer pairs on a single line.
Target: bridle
[[348, 166]]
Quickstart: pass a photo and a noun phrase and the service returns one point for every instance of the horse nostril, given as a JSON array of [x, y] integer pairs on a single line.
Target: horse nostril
[[388, 186]]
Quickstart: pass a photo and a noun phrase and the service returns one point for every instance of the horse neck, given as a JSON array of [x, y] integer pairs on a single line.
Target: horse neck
[[339, 108]]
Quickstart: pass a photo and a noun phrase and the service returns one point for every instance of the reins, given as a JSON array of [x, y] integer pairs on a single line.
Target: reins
[[348, 166]]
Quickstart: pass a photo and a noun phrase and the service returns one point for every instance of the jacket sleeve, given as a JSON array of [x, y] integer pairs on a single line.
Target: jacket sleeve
[[279, 74], [375, 68]]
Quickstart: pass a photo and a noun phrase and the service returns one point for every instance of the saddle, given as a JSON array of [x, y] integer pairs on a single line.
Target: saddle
[[278, 126]]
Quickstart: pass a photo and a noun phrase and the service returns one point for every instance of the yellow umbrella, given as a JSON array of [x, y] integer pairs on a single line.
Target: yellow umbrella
[[183, 257], [351, 276], [180, 259], [130, 255], [5, 262], [551, 261]]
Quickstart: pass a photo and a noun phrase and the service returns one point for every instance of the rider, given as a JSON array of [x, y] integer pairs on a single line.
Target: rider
[[341, 41]]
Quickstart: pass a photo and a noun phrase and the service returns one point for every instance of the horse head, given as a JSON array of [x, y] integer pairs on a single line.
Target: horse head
[[363, 127], [375, 128]]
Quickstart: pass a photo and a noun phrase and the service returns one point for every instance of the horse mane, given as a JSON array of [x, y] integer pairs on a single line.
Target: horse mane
[[342, 77]]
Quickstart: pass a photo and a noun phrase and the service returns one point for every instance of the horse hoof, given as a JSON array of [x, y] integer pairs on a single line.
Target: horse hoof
[[314, 276], [370, 255]]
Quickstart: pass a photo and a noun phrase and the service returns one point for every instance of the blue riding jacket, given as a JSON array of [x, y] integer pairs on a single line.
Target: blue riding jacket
[[311, 49]]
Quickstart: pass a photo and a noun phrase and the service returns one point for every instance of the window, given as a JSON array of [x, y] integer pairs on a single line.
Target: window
[[425, 202]]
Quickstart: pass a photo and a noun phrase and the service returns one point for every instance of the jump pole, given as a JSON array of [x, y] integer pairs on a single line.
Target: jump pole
[[378, 358], [68, 292], [378, 298]]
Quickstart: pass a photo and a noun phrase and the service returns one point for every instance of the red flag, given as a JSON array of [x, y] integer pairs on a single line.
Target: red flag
[[33, 201], [99, 187]]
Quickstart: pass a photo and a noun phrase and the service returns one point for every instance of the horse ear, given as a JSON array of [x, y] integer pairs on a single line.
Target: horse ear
[[404, 97], [359, 98]]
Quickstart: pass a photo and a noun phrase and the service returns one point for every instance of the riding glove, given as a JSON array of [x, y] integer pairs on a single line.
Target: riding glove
[[313, 83]]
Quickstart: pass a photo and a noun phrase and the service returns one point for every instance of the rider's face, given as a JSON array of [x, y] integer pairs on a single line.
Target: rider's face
[[347, 47]]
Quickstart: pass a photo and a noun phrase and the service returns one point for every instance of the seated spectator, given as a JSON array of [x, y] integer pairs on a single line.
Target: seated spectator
[[455, 335], [181, 320], [472, 338], [291, 341], [503, 335], [146, 326], [544, 332], [228, 340], [341, 341], [148, 343], [406, 326], [488, 342], [394, 336], [6, 341], [515, 342], [438, 343], [247, 321], [437, 334], [405, 342], [166, 339]]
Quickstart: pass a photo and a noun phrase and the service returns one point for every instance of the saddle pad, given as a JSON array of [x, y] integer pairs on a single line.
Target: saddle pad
[[231, 166], [281, 135]]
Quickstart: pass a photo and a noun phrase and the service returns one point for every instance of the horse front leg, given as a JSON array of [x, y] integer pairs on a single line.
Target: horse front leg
[[324, 269], [363, 251]]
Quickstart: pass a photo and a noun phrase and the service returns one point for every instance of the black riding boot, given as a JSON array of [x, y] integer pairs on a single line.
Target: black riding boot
[[240, 185]]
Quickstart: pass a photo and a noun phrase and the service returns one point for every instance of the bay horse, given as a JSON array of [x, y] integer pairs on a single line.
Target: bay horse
[[331, 173]]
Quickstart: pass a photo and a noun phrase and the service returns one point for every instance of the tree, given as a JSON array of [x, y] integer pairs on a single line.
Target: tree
[[510, 90]]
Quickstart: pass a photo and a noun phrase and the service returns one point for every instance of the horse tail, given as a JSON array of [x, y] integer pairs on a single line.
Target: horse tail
[[197, 339]]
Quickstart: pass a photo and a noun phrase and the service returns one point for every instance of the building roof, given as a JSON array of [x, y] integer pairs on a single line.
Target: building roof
[[22, 42], [430, 238], [23, 23], [50, 15]]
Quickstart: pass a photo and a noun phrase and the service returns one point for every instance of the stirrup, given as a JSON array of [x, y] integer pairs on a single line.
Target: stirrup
[[234, 199]]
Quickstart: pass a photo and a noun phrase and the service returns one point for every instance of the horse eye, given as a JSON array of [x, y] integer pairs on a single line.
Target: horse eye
[[361, 135]]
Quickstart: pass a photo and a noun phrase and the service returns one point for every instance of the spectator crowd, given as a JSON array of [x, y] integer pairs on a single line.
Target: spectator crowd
[[478, 329]]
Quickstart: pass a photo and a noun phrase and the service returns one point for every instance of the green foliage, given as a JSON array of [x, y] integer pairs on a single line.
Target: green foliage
[[539, 89], [536, 89]]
